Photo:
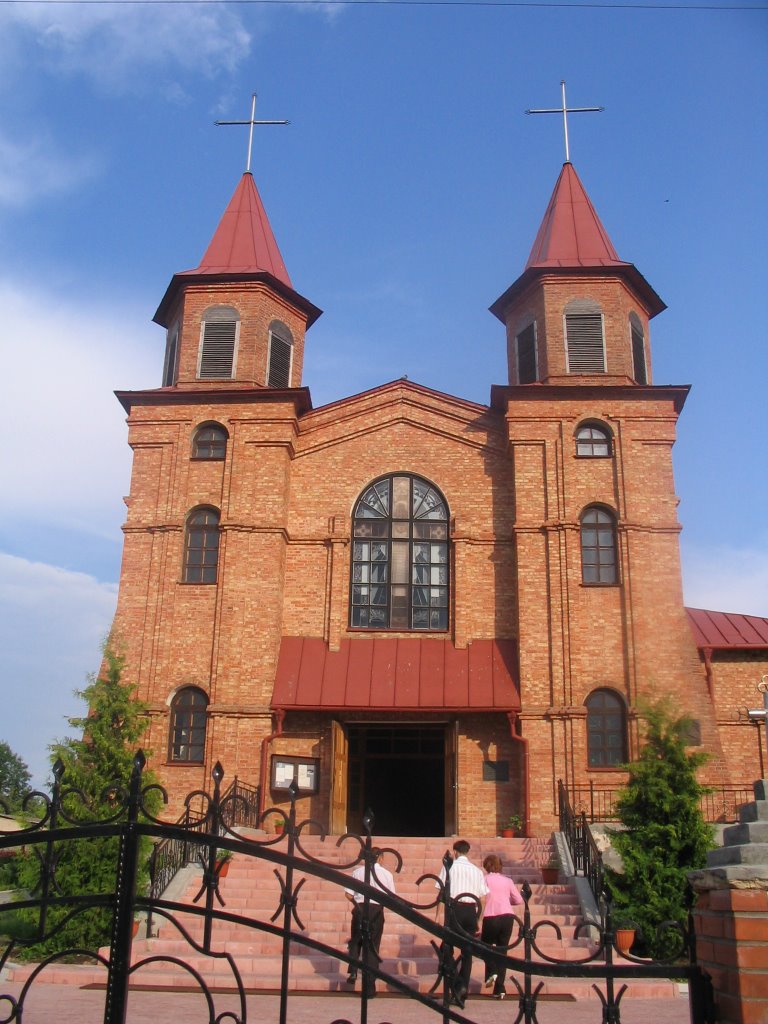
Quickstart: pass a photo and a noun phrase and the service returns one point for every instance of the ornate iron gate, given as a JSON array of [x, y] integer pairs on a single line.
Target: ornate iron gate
[[527, 964]]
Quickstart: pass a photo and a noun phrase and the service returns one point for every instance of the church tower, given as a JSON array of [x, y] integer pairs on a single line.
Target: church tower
[[236, 319], [205, 536], [601, 621]]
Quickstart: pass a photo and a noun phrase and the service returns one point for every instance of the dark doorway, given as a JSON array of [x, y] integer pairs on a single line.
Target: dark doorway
[[398, 772]]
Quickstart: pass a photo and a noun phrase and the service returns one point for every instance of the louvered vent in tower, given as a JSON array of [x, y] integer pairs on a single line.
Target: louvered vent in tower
[[217, 356], [584, 338]]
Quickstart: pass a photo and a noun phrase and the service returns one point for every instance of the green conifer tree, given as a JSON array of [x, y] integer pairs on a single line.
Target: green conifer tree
[[665, 834], [103, 755]]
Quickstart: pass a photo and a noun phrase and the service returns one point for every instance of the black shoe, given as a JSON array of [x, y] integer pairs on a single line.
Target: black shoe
[[459, 996], [352, 976]]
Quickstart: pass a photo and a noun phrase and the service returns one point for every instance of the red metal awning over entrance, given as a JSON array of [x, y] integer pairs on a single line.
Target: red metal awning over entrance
[[396, 674]]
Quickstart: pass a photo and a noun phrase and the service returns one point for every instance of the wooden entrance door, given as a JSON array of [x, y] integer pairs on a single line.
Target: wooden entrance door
[[339, 776]]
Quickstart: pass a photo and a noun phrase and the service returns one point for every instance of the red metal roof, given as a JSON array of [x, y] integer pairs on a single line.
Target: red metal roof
[[396, 674], [726, 629], [243, 242], [572, 239], [571, 234]]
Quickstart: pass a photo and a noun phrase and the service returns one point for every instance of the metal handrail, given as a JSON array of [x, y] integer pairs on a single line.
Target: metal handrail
[[239, 807], [587, 859]]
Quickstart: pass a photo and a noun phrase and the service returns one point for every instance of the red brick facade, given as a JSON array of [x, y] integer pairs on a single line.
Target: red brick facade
[[515, 489]]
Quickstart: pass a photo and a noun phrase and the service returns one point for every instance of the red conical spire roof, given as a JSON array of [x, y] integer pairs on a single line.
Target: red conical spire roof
[[243, 242], [242, 248], [571, 238], [571, 234]]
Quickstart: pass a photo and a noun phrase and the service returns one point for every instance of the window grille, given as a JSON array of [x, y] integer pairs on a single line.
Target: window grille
[[639, 369], [218, 352], [598, 547], [189, 719], [400, 570]]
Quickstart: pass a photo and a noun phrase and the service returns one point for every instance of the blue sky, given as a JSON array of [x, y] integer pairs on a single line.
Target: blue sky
[[405, 196]]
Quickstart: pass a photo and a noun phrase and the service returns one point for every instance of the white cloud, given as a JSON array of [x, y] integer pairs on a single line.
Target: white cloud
[[727, 579], [71, 354], [114, 44], [55, 172], [52, 623]]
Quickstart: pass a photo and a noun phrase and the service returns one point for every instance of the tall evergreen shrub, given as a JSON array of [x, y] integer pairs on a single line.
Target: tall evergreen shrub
[[110, 734], [665, 834]]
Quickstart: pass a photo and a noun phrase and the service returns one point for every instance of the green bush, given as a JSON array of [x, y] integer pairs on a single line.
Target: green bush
[[665, 834], [110, 734]]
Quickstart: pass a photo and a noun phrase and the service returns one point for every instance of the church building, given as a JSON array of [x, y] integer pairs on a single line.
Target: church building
[[406, 601]]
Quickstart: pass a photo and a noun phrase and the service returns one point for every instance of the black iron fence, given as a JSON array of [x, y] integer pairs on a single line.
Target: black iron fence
[[719, 805], [201, 924], [587, 859]]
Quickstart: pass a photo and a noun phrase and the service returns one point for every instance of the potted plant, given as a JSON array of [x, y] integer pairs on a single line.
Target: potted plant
[[550, 872], [624, 936], [280, 826], [221, 864], [512, 826]]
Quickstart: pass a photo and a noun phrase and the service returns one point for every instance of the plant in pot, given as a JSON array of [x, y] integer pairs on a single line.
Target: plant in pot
[[512, 826], [221, 864], [550, 872], [624, 935]]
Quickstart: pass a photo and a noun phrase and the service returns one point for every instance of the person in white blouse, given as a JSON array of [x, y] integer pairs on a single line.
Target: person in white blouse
[[464, 909]]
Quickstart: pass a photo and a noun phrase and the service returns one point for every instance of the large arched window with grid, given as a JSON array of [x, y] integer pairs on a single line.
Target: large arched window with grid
[[598, 547], [201, 546], [606, 729], [400, 556], [189, 719]]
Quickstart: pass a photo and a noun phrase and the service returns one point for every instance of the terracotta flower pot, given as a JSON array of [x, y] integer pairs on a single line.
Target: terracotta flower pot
[[508, 833], [549, 876], [221, 868], [624, 939]]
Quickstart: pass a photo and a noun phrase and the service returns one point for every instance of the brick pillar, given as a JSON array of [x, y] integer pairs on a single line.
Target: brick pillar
[[731, 915]]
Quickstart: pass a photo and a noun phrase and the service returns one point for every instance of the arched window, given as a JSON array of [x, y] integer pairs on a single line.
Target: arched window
[[606, 729], [218, 341], [637, 338], [584, 337], [400, 556], [171, 355], [210, 442], [598, 546], [527, 364], [279, 358], [593, 441], [189, 717], [201, 546]]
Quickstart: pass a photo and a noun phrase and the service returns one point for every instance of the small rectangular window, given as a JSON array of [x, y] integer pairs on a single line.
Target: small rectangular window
[[526, 355]]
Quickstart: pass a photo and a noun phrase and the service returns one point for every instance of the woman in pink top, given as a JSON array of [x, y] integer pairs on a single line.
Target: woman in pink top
[[498, 919]]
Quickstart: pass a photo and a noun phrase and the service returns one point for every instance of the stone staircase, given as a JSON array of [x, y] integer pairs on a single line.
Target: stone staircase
[[251, 890]]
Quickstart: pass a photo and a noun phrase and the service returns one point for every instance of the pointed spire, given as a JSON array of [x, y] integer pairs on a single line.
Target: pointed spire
[[571, 234], [571, 237], [243, 243]]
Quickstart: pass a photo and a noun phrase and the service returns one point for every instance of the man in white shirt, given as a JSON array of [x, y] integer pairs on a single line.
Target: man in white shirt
[[464, 909], [380, 879]]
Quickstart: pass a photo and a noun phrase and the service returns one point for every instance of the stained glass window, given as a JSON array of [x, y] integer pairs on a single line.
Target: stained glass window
[[400, 563]]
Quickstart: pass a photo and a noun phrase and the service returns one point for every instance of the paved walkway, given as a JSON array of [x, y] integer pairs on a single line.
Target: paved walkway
[[58, 1004]]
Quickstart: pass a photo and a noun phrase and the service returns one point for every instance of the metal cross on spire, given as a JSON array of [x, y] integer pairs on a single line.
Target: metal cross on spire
[[565, 110], [251, 123]]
